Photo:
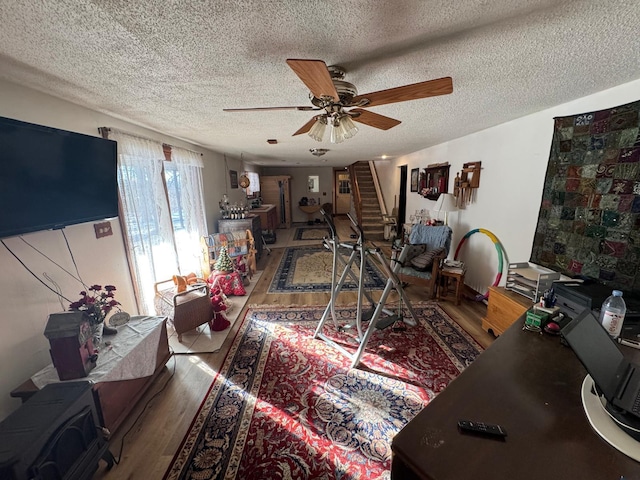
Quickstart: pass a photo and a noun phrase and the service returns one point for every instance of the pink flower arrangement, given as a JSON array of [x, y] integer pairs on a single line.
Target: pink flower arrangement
[[98, 302]]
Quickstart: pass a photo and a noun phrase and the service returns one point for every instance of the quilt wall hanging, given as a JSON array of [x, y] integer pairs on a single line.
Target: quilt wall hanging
[[589, 219]]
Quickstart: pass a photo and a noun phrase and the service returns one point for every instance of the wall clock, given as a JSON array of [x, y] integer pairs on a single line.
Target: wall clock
[[118, 319], [244, 181]]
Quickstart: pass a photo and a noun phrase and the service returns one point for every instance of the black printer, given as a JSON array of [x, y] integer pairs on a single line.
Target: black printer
[[573, 297]]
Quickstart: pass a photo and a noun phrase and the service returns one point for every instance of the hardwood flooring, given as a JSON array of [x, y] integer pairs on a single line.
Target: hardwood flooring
[[147, 441]]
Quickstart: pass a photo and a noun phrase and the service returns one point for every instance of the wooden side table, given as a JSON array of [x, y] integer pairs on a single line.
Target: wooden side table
[[310, 210], [449, 274]]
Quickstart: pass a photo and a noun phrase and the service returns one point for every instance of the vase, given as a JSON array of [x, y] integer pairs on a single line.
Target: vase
[[96, 334]]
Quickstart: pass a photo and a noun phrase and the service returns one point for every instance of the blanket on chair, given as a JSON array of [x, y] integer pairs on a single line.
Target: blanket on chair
[[433, 237]]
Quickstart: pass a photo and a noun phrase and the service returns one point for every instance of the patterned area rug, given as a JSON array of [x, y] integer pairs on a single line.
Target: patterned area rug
[[287, 406], [308, 269], [311, 233]]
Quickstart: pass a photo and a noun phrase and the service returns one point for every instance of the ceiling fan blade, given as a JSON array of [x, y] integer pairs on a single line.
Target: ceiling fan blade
[[373, 119], [414, 91], [315, 75], [304, 109], [306, 127]]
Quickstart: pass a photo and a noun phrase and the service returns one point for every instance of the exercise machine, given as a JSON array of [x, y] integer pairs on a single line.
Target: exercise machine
[[379, 317]]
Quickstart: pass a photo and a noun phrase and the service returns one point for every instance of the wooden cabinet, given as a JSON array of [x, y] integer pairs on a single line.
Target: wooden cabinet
[[251, 222], [276, 190], [504, 308], [268, 217], [434, 181]]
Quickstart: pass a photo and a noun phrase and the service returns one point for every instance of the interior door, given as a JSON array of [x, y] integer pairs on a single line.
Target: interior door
[[402, 206], [342, 188]]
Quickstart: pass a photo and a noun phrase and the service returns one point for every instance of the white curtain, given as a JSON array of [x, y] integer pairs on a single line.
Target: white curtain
[[186, 199], [145, 215]]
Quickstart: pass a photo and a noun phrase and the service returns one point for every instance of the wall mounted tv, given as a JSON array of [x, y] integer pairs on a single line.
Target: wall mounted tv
[[51, 178]]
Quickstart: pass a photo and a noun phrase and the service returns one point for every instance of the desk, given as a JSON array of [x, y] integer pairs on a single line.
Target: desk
[[123, 372], [310, 210], [529, 384]]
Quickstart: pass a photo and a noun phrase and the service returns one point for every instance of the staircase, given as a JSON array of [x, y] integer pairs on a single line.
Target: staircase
[[365, 198]]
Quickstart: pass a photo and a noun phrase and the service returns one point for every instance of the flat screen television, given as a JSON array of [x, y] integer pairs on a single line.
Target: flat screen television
[[51, 178]]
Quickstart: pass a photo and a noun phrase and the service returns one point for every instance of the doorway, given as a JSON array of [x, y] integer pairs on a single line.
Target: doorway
[[402, 204], [342, 189]]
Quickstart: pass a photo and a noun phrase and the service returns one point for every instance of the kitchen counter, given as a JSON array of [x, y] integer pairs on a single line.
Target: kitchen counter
[[268, 216]]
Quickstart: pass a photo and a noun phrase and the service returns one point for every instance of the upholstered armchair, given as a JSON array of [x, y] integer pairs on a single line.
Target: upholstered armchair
[[419, 261]]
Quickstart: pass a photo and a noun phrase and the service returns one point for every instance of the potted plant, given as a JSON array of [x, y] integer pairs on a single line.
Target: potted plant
[[98, 302]]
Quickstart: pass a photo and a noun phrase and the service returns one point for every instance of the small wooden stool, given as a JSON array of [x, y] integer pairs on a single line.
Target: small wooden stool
[[451, 273]]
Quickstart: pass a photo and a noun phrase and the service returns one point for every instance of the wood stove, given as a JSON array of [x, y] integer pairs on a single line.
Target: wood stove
[[56, 434]]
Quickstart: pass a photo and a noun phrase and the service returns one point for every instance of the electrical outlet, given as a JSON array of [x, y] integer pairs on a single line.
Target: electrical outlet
[[103, 229]]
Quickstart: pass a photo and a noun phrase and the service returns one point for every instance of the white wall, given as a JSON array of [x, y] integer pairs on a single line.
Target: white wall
[[514, 159], [25, 303], [298, 183]]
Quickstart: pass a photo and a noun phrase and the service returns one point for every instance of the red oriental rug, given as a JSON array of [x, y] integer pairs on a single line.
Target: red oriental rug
[[287, 406]]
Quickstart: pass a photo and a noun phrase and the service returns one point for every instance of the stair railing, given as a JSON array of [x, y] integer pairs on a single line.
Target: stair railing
[[376, 183], [355, 191]]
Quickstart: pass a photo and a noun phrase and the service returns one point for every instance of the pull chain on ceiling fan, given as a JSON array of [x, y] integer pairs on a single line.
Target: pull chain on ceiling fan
[[329, 92]]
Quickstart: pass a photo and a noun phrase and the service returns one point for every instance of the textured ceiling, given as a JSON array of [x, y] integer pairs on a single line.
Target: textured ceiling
[[172, 66]]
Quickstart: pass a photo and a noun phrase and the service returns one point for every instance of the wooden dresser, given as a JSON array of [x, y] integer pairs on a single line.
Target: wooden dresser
[[504, 308]]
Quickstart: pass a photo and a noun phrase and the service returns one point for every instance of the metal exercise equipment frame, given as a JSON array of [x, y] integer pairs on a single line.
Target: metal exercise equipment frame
[[359, 251]]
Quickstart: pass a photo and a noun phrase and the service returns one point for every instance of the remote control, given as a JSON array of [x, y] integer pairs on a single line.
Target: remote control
[[482, 428]]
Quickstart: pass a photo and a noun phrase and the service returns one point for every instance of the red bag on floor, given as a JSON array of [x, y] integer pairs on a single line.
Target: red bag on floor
[[229, 282]]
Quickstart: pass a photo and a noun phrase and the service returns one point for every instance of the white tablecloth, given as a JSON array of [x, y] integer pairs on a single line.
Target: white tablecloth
[[132, 354]]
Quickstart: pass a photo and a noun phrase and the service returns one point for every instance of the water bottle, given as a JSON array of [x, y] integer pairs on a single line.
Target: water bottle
[[612, 314]]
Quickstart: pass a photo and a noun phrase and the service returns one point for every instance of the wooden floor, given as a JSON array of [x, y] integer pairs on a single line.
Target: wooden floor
[[148, 439]]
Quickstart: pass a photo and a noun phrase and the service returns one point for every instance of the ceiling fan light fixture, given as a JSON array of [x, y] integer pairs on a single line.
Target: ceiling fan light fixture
[[342, 128], [348, 125], [318, 152], [340, 124], [336, 134], [342, 131], [317, 130]]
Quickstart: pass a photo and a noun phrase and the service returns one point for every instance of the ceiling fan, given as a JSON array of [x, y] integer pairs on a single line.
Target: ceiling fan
[[330, 93]]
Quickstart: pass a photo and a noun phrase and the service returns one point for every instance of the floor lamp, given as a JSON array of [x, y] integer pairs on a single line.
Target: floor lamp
[[446, 203]]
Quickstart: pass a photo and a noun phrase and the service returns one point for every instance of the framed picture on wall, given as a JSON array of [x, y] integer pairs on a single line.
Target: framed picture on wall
[[415, 173], [233, 178]]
